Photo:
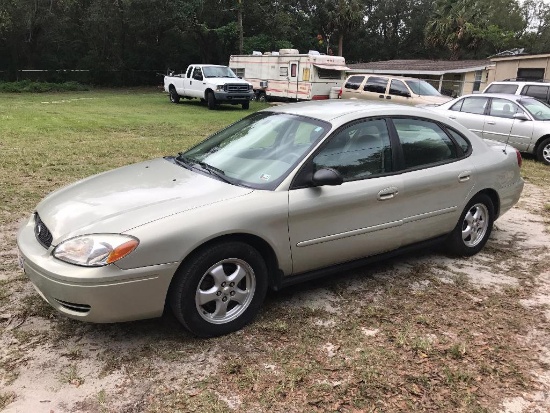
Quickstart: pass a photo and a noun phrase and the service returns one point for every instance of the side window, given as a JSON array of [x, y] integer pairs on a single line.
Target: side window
[[500, 88], [475, 105], [376, 84], [538, 92], [458, 105], [283, 71], [424, 143], [359, 151], [188, 74], [197, 74], [460, 140], [398, 88], [354, 82], [503, 108]]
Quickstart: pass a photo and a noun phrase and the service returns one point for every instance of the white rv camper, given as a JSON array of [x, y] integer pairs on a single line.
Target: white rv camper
[[289, 75]]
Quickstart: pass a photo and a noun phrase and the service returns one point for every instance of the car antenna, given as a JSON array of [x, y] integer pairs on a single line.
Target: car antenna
[[510, 131]]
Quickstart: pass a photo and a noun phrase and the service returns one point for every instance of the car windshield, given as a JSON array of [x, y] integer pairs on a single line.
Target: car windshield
[[420, 87], [539, 110], [218, 71], [260, 150]]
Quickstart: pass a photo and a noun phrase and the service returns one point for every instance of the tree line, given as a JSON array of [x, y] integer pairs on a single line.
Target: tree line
[[125, 36]]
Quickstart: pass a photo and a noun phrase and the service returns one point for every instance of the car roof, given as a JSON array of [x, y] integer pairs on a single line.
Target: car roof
[[383, 75], [499, 95], [329, 110]]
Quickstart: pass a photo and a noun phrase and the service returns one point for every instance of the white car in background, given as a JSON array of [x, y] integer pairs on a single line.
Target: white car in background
[[520, 121]]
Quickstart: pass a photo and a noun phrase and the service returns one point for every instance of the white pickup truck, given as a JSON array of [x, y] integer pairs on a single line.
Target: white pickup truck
[[211, 83]]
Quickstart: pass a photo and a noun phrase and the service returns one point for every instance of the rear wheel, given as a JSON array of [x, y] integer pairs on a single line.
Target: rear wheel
[[262, 97], [220, 289], [473, 228], [173, 95], [211, 100], [543, 151]]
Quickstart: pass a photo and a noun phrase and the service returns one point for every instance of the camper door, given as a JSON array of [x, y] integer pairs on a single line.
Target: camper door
[[293, 70]]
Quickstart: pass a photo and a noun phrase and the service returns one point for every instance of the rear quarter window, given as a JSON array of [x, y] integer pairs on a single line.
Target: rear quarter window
[[354, 82], [538, 92]]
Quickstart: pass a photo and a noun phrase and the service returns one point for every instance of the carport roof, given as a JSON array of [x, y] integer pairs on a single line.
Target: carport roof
[[425, 67]]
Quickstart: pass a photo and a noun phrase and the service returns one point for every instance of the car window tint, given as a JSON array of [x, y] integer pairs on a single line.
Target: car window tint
[[354, 82], [358, 151], [398, 88], [539, 92], [503, 108], [423, 142], [460, 140], [376, 84], [458, 105], [475, 105], [500, 88]]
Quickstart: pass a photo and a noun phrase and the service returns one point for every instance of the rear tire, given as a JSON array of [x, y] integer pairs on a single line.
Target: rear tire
[[220, 289], [543, 151], [211, 100], [262, 97], [473, 228], [173, 95]]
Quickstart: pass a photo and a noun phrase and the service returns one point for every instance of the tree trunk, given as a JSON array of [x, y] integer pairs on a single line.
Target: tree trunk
[[340, 44], [240, 26]]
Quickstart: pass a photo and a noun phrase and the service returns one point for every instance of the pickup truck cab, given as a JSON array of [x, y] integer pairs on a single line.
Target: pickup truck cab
[[211, 83]]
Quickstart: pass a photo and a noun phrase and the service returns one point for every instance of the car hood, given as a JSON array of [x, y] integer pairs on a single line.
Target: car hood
[[124, 198]]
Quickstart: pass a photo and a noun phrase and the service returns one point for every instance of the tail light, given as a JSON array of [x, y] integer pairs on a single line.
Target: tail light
[[520, 160], [340, 94]]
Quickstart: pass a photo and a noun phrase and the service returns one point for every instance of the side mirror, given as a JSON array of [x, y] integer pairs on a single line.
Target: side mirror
[[327, 176], [520, 116]]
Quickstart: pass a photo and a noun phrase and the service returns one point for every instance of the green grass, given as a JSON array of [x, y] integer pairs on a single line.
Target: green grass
[[52, 139]]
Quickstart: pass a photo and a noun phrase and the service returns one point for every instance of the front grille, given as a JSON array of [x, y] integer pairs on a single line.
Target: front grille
[[43, 234], [78, 308], [236, 88]]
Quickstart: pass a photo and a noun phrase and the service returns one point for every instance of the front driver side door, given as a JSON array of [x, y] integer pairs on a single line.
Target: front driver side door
[[361, 217]]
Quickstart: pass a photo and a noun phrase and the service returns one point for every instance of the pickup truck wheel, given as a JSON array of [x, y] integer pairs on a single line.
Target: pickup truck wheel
[[262, 97], [220, 289], [211, 100], [246, 105], [173, 95]]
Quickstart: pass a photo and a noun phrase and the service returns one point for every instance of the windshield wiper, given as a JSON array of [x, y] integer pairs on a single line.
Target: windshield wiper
[[212, 170]]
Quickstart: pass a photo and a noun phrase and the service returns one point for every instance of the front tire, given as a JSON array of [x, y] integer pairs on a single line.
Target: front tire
[[543, 151], [211, 100], [473, 228], [220, 289], [173, 95], [246, 105]]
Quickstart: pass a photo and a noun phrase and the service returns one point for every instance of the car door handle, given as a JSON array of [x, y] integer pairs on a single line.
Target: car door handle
[[491, 122], [464, 176], [388, 97], [381, 96], [387, 193], [452, 117]]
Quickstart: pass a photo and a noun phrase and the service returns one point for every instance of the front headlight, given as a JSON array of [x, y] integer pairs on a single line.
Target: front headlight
[[219, 88], [95, 250]]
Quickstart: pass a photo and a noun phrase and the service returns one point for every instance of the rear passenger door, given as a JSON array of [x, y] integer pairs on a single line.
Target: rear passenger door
[[470, 112], [399, 93], [438, 177], [375, 88]]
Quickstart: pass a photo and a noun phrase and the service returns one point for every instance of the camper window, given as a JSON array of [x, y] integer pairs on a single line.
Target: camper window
[[329, 74], [283, 71]]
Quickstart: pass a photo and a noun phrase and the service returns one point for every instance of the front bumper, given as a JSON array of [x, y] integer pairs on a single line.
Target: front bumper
[[237, 97], [95, 294]]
